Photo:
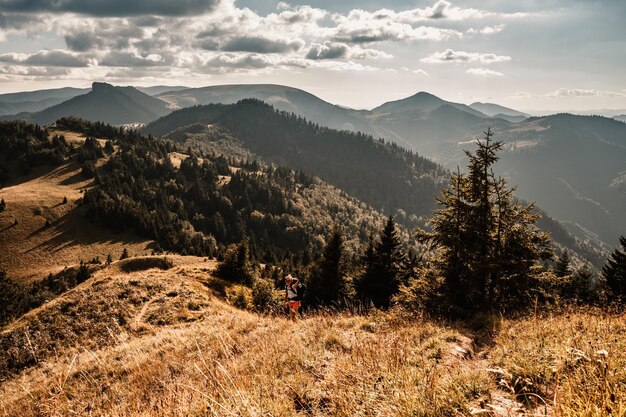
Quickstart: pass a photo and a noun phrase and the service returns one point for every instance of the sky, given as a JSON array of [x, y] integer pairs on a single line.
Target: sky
[[531, 55]]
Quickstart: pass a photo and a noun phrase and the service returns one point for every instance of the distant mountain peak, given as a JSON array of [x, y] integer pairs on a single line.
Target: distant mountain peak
[[107, 103], [422, 102], [101, 87], [424, 94], [492, 109]]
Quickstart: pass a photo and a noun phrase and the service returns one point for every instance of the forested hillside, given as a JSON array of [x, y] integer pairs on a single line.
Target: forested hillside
[[379, 173], [195, 203]]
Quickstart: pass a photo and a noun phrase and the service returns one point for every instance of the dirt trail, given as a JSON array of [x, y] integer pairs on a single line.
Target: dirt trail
[[463, 354]]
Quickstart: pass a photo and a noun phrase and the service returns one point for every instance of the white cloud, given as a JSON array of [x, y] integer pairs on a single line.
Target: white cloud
[[335, 50], [451, 56], [487, 30], [484, 72], [355, 28], [441, 10], [46, 58], [222, 37], [577, 92]]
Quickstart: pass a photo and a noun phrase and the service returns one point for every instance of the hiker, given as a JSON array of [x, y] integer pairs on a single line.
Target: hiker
[[292, 295]]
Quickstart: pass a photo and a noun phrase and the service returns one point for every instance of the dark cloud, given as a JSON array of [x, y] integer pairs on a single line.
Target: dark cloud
[[118, 34], [228, 62], [152, 45], [112, 7], [261, 45], [125, 59], [82, 41], [11, 71], [147, 21], [329, 50], [46, 59], [17, 21], [210, 44]]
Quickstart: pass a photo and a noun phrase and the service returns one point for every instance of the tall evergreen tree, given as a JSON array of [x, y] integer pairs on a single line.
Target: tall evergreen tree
[[237, 266], [327, 285], [614, 272], [561, 268], [382, 278], [486, 243]]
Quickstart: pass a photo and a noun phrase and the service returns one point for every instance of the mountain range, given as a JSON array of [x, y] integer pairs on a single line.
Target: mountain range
[[557, 161]]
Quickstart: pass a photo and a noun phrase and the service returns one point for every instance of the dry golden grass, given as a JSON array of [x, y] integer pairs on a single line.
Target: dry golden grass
[[29, 250], [166, 342], [572, 364], [161, 342]]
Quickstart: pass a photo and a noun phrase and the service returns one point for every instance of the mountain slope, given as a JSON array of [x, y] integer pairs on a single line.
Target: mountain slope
[[420, 103], [284, 98], [401, 180], [492, 109], [573, 167], [382, 175], [160, 89], [44, 226], [160, 340], [32, 101], [149, 187], [38, 95], [106, 103]]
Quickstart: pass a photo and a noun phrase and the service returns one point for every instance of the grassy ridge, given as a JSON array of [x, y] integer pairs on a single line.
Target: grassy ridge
[[164, 343]]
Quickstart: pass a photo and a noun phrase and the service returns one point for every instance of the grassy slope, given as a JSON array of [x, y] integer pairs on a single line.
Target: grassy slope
[[157, 342], [29, 250], [162, 343]]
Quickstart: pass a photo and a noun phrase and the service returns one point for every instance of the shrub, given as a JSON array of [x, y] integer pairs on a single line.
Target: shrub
[[264, 297], [141, 264], [421, 293], [240, 298]]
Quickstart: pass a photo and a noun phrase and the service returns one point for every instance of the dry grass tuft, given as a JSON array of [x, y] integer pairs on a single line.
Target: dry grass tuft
[[573, 364]]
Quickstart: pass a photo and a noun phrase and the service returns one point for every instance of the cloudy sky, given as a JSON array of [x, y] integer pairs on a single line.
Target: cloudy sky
[[528, 54]]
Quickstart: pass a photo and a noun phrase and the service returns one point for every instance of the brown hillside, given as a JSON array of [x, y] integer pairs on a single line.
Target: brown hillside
[[30, 250], [165, 342]]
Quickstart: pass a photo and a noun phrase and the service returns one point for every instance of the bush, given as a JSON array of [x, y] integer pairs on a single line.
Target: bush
[[83, 273], [141, 264], [240, 298], [236, 266], [264, 297], [421, 293]]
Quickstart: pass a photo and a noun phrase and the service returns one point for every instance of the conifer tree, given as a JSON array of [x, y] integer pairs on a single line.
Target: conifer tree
[[581, 285], [614, 272], [237, 266], [561, 268], [382, 278], [327, 284], [486, 243], [124, 254], [2, 205]]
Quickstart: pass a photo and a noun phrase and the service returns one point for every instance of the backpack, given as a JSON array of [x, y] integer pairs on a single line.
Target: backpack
[[299, 290]]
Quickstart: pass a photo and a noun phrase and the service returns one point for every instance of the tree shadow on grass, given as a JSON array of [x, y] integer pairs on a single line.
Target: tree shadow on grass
[[74, 229]]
